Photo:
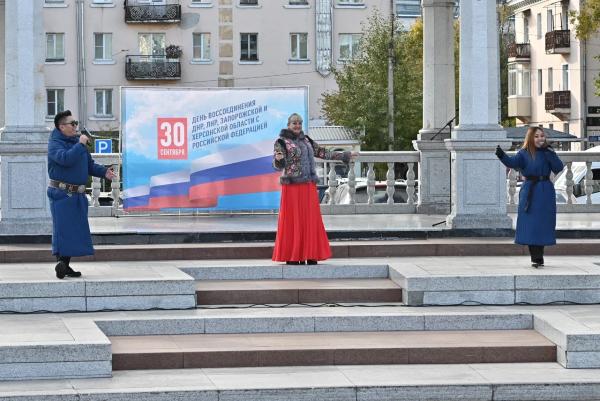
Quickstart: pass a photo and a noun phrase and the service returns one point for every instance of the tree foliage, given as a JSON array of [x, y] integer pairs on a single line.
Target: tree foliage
[[587, 24], [361, 99], [587, 21]]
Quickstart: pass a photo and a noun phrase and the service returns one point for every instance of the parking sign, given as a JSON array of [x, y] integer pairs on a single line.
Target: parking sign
[[103, 145]]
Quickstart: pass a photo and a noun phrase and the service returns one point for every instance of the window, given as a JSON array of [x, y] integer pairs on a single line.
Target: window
[[565, 77], [152, 44], [550, 86], [550, 126], [103, 102], [248, 2], [201, 46], [349, 45], [408, 8], [55, 47], [299, 46], [539, 82], [102, 1], [102, 46], [54, 1], [525, 29], [538, 23], [194, 2], [298, 2], [249, 47], [549, 21], [351, 2], [566, 128], [55, 100], [518, 80]]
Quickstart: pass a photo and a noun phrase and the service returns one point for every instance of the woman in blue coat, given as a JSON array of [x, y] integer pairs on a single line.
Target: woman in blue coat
[[69, 166], [536, 221]]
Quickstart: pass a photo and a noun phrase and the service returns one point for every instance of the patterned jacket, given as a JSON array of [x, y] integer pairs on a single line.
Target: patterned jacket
[[293, 163]]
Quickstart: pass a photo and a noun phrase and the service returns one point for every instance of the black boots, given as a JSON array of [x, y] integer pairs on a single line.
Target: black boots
[[537, 255], [63, 269], [302, 262]]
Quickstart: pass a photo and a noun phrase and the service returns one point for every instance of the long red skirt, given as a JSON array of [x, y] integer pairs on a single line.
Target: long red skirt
[[300, 231]]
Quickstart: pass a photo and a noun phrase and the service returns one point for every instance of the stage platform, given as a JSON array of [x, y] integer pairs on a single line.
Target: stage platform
[[169, 229]]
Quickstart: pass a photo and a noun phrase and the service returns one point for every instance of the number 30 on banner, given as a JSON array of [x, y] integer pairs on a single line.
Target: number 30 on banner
[[172, 138]]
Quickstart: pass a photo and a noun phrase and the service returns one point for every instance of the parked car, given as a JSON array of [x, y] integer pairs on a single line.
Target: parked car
[[342, 194], [579, 171]]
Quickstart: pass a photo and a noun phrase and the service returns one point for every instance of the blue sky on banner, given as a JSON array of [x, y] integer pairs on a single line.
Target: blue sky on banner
[[261, 114]]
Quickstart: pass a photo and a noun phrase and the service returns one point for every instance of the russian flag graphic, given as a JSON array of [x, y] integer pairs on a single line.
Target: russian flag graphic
[[235, 178]]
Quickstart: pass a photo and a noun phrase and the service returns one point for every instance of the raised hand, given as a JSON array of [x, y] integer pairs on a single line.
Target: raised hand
[[499, 152]]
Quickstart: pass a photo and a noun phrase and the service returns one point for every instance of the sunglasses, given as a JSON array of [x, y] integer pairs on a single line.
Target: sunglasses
[[73, 123]]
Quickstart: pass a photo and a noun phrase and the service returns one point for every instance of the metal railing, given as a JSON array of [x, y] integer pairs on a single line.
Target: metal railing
[[145, 13], [575, 185], [558, 41], [519, 50], [152, 67], [394, 195], [558, 100]]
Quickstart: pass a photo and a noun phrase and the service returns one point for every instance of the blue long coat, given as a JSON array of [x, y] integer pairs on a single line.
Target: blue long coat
[[70, 162], [537, 225]]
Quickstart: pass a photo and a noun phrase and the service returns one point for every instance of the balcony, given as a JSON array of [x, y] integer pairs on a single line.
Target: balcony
[[558, 42], [558, 103], [519, 52], [519, 106], [152, 67], [140, 13]]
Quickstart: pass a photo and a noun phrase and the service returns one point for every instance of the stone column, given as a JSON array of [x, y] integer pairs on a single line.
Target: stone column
[[438, 106], [478, 178], [225, 43], [24, 206]]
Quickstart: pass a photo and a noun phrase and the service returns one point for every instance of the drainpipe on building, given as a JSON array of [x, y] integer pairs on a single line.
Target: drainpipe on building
[[584, 113], [81, 78], [390, 79]]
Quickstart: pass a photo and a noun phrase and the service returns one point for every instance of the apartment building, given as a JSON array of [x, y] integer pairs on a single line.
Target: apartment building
[[551, 73], [93, 47]]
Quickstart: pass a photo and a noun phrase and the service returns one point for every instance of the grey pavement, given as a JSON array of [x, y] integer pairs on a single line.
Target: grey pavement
[[527, 381]]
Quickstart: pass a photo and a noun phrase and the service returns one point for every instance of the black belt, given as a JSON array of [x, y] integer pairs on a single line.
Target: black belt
[[66, 186], [534, 180]]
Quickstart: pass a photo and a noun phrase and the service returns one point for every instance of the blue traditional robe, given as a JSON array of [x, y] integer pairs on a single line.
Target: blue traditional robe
[[69, 161], [536, 224]]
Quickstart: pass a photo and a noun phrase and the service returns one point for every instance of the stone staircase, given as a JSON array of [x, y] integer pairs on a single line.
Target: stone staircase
[[204, 317]]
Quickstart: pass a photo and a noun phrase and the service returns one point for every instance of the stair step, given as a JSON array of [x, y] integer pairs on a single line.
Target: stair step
[[332, 348], [179, 250], [231, 292]]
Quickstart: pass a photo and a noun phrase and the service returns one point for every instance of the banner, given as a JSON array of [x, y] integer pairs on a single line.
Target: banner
[[209, 149]]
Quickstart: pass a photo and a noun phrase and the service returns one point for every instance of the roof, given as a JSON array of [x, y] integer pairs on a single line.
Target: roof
[[334, 134], [518, 134]]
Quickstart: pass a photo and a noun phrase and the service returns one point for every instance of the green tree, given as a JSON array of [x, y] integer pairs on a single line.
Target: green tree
[[361, 99], [587, 24], [506, 37]]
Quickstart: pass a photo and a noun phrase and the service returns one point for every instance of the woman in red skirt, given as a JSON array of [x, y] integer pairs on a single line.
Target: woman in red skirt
[[301, 236]]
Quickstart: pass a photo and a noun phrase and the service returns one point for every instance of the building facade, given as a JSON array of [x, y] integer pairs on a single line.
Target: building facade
[[551, 73], [93, 47]]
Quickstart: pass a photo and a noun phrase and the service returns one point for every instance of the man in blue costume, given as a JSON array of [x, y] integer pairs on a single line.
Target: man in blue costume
[[69, 167]]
